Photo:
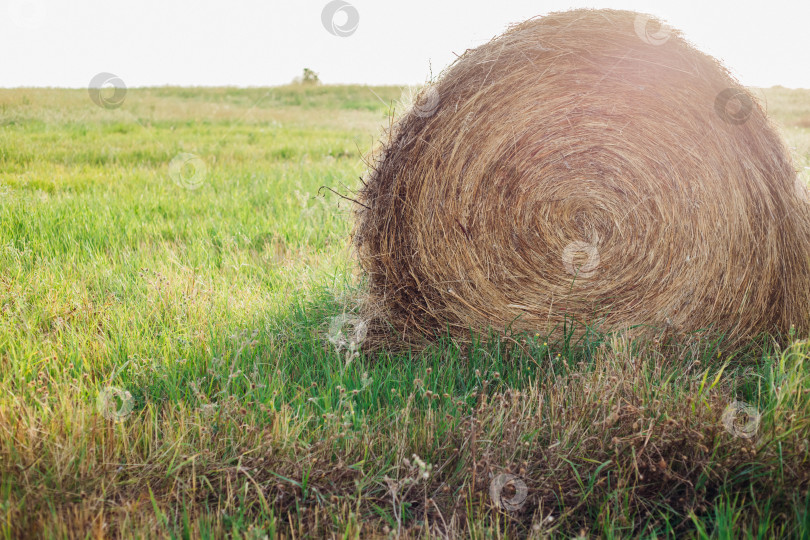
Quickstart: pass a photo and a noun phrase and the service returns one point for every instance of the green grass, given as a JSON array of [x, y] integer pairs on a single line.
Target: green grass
[[212, 306]]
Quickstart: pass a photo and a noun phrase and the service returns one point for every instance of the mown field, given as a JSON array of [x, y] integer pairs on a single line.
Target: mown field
[[166, 367]]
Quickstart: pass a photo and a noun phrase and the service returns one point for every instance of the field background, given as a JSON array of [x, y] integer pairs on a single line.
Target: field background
[[211, 308]]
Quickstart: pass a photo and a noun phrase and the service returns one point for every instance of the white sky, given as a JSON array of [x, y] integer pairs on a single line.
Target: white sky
[[268, 42]]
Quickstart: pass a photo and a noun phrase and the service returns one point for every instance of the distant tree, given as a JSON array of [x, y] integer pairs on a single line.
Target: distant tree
[[310, 77]]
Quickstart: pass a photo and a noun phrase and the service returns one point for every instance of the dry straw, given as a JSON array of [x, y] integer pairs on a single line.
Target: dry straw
[[590, 166]]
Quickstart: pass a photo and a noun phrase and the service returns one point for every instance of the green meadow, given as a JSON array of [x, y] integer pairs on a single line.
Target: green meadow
[[178, 302]]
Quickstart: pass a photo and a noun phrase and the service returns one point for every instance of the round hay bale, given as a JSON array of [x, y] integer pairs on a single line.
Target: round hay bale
[[589, 166]]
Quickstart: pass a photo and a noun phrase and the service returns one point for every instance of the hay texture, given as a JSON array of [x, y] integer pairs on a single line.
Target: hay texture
[[586, 166]]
